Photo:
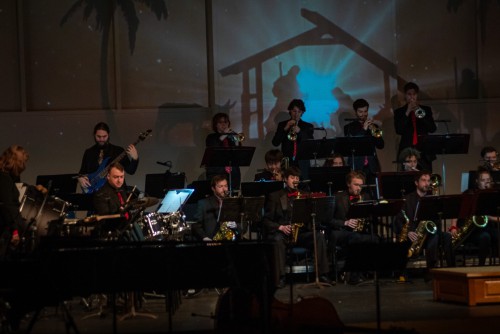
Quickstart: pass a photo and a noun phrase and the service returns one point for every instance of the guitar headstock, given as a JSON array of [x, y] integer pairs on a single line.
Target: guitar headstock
[[145, 134]]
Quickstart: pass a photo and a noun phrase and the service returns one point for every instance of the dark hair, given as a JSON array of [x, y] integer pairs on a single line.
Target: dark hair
[[408, 152], [101, 126], [355, 174], [487, 149], [218, 117], [297, 103], [292, 171], [360, 103], [329, 160], [272, 156], [411, 85], [422, 173], [216, 179]]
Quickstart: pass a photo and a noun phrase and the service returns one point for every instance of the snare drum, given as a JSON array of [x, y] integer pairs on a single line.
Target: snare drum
[[154, 226]]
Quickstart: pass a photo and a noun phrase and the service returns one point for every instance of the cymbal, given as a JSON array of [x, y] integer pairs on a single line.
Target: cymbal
[[144, 202]]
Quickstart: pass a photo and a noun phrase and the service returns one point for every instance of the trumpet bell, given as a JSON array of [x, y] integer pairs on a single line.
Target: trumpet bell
[[419, 113]]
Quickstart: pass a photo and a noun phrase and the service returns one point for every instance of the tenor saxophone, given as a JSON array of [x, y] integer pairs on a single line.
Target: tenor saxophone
[[403, 236], [295, 232]]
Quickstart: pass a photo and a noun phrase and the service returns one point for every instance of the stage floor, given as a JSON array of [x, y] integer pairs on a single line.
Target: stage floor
[[404, 308]]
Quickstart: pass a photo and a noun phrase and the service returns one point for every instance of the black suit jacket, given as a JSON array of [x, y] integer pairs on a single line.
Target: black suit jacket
[[355, 129], [206, 218], [281, 137]]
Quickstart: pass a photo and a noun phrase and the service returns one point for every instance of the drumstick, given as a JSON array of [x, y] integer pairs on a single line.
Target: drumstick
[[130, 195]]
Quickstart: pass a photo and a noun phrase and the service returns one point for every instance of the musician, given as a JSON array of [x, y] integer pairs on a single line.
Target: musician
[[346, 231], [335, 160], [113, 199], [365, 127], [208, 212], [103, 152], [289, 134], [12, 163], [481, 237], [489, 156], [408, 159], [277, 227], [273, 171], [412, 120], [433, 241], [223, 136]]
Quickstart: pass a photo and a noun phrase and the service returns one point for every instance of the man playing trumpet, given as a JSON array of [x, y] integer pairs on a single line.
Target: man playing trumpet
[[365, 127], [273, 171]]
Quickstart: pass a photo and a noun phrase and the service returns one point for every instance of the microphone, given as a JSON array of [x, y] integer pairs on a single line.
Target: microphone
[[166, 163]]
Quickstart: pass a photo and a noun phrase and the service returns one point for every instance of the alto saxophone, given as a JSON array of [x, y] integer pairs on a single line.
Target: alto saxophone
[[403, 236], [466, 230], [424, 228]]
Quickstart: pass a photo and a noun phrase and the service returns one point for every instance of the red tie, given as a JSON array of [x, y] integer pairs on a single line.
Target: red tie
[[122, 203], [414, 120]]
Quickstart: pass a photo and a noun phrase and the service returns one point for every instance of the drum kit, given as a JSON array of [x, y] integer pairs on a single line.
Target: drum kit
[[48, 216]]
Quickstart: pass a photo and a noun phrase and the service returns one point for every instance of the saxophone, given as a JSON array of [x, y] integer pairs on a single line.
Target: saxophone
[[295, 232], [466, 230], [403, 236], [225, 233], [361, 221], [424, 228]]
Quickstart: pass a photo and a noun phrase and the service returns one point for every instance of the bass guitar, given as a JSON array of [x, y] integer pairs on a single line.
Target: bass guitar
[[98, 178]]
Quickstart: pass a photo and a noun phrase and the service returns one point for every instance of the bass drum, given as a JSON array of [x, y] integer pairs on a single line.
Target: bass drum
[[41, 219]]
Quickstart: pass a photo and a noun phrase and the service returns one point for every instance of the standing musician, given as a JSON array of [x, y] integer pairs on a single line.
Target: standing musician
[[289, 134], [277, 226], [12, 164], [432, 241], [112, 199], [95, 155], [365, 127], [348, 231], [273, 172], [489, 156], [412, 120], [208, 225], [224, 136], [483, 237]]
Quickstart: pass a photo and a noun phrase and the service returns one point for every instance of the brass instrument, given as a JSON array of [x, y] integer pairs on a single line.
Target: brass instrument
[[225, 233], [466, 230], [403, 236], [292, 135], [424, 228], [236, 137], [436, 182], [375, 131], [361, 221], [295, 232], [419, 112], [285, 163]]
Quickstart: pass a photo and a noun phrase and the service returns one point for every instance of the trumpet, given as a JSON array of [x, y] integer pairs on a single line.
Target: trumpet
[[235, 136], [419, 112], [292, 135], [375, 131]]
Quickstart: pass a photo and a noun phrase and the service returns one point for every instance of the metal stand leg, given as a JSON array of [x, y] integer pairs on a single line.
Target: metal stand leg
[[132, 313]]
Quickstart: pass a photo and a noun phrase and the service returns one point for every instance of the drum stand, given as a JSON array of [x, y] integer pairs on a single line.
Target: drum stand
[[101, 301], [132, 313]]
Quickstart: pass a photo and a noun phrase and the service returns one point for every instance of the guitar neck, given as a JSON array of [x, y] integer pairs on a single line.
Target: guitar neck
[[122, 155]]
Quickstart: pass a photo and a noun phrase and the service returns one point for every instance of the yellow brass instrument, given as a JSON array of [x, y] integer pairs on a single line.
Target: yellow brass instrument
[[424, 228], [292, 135], [375, 131], [295, 232], [419, 112], [466, 230], [436, 182], [237, 137], [403, 236], [361, 221], [224, 233]]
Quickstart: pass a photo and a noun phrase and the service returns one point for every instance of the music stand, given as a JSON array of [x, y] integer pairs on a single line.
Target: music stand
[[354, 146], [156, 185], [260, 188], [394, 185], [228, 156], [439, 207], [241, 209], [306, 210], [59, 184], [444, 144], [313, 149], [387, 208], [328, 179]]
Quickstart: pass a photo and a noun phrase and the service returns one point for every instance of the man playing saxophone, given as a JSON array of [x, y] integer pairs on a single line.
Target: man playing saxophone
[[433, 241], [478, 230], [346, 231], [277, 226], [365, 127]]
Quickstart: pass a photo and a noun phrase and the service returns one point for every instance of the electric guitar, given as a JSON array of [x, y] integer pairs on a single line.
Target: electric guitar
[[98, 178]]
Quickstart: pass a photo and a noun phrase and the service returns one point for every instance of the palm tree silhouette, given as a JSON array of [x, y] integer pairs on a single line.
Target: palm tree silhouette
[[104, 15]]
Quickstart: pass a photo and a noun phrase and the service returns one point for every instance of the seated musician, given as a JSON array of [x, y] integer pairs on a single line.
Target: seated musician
[[273, 170], [12, 164], [408, 159], [348, 231], [489, 156], [484, 236], [208, 226], [406, 225], [277, 226], [335, 160], [112, 200]]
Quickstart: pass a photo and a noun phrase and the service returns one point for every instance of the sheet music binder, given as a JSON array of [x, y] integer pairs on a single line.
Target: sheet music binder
[[444, 144]]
